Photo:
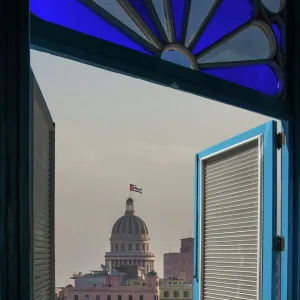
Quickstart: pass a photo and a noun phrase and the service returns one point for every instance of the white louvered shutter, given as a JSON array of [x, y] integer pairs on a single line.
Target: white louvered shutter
[[231, 234], [43, 204]]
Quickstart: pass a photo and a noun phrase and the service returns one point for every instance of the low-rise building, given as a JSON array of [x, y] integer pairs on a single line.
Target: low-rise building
[[88, 287], [177, 262], [175, 289]]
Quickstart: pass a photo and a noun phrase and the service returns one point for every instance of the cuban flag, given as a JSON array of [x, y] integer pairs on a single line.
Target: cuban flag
[[134, 188]]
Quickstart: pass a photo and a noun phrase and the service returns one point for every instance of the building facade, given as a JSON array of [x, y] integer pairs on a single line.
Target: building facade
[[129, 243], [176, 263], [87, 288], [175, 289]]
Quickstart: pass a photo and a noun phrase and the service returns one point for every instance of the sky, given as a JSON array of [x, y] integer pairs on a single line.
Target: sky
[[112, 130]]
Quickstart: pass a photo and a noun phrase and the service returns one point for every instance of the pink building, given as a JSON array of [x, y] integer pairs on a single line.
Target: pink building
[[178, 263], [112, 289]]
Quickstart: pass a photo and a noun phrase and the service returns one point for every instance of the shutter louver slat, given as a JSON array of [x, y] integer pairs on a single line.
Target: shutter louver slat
[[231, 224]]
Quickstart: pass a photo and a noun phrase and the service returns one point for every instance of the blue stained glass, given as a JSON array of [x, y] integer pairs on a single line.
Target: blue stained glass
[[198, 12], [114, 8], [277, 34], [178, 8], [74, 15], [141, 8], [258, 77], [230, 15]]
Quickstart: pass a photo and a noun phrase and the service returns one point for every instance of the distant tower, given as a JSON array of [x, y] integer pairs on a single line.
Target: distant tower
[[129, 242]]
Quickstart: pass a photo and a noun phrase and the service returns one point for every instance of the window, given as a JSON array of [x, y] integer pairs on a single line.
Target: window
[[75, 297], [176, 294], [154, 297], [137, 247], [116, 247], [143, 247], [129, 247], [97, 297], [141, 297], [87, 297], [166, 294], [108, 297], [183, 261], [130, 297], [123, 247], [119, 297], [186, 294]]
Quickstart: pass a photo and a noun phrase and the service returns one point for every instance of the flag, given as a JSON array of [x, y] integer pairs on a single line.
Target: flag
[[134, 188]]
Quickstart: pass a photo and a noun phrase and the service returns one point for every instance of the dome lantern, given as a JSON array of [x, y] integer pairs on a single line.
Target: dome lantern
[[129, 207]]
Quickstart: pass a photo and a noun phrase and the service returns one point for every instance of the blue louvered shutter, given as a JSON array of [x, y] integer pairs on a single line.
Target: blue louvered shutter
[[235, 218]]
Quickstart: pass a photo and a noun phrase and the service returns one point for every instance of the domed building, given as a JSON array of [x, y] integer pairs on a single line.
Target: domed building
[[129, 242]]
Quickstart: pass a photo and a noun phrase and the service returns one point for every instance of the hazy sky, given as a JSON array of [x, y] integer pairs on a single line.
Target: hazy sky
[[110, 130]]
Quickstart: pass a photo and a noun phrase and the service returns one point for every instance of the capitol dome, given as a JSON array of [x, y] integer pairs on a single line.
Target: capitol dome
[[129, 224], [129, 243]]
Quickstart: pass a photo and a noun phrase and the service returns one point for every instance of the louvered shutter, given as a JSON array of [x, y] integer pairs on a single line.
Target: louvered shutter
[[236, 213], [43, 204]]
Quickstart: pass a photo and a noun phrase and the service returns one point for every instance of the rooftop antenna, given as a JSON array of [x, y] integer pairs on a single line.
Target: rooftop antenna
[[170, 249]]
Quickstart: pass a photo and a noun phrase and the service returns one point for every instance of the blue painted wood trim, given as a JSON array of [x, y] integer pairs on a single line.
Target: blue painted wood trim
[[196, 230], [292, 17], [71, 44], [287, 186], [16, 182], [269, 209]]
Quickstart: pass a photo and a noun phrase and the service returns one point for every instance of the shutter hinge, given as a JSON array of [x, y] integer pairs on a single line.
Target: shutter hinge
[[195, 276], [278, 244], [280, 140]]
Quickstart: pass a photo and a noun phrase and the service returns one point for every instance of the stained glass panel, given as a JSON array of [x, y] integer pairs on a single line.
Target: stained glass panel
[[274, 5], [178, 10], [116, 10], [223, 38], [224, 21], [277, 33], [160, 10], [72, 14], [258, 77], [198, 13], [253, 42]]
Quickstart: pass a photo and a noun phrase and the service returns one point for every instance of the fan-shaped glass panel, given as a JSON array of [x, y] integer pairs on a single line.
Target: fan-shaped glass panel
[[274, 5], [253, 42], [222, 38]]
